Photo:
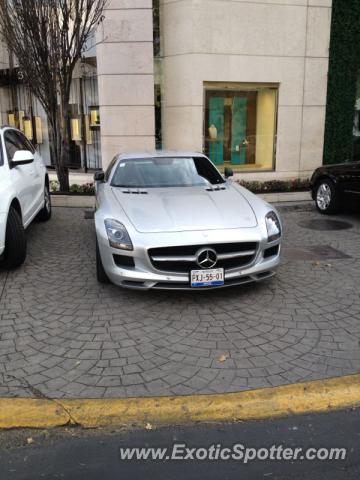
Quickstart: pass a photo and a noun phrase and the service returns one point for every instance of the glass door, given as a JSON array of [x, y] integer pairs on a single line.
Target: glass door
[[216, 137], [230, 127]]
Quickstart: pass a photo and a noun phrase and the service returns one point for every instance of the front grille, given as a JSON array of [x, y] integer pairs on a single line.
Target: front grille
[[182, 259]]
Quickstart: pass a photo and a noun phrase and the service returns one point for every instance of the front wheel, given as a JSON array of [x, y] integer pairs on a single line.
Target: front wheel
[[15, 240], [45, 213], [327, 197]]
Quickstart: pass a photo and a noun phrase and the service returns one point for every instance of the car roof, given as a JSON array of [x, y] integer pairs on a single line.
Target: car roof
[[159, 154], [8, 127]]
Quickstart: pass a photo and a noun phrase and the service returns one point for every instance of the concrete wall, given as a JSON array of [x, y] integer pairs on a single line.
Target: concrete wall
[[261, 41], [126, 78]]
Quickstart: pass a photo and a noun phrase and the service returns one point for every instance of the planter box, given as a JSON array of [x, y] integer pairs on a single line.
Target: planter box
[[74, 201], [73, 194]]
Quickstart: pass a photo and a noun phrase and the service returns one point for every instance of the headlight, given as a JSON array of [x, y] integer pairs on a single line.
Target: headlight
[[118, 235], [273, 226]]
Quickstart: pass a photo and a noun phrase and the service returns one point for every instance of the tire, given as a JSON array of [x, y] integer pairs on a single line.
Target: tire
[[45, 213], [15, 241], [327, 199], [100, 272]]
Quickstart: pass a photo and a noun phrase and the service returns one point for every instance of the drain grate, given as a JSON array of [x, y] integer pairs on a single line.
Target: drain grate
[[89, 214], [324, 225], [316, 253]]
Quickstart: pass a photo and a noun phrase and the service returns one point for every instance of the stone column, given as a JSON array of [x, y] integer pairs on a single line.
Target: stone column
[[126, 78], [316, 65]]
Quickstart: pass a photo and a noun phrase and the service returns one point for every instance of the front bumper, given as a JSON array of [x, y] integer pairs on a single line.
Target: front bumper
[[145, 276]]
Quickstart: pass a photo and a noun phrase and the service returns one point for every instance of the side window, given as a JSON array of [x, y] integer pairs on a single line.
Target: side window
[[24, 142], [11, 144], [109, 169], [15, 141]]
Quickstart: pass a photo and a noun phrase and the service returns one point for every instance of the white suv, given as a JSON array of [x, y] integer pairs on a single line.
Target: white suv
[[24, 194]]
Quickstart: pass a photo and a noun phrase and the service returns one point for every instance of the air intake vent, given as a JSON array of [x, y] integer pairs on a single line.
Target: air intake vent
[[215, 189], [135, 192], [271, 252], [124, 261]]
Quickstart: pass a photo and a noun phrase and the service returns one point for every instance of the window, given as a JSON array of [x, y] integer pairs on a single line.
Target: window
[[161, 172], [109, 168], [15, 141], [240, 126], [27, 145], [11, 144]]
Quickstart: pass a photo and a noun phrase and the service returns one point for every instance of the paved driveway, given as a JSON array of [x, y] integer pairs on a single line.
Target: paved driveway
[[63, 335]]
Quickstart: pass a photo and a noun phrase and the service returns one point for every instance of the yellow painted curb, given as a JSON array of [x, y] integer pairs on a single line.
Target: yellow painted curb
[[301, 398], [30, 412]]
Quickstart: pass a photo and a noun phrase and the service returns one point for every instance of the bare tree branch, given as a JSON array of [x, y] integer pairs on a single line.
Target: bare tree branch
[[47, 38]]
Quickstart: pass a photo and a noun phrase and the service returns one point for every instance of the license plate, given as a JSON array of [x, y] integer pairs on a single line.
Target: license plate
[[207, 278]]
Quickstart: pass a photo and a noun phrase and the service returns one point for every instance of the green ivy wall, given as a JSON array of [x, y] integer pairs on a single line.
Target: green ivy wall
[[343, 68]]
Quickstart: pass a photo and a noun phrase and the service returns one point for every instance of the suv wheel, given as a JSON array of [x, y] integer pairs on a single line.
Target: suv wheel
[[15, 240], [45, 213], [100, 272], [326, 197]]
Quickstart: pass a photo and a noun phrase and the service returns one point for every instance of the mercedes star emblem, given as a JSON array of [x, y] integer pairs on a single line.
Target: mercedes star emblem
[[206, 258]]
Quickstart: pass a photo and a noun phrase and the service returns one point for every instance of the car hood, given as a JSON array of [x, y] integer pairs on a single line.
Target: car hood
[[184, 209]]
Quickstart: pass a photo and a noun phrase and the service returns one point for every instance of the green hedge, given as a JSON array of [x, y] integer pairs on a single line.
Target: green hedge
[[343, 68], [276, 186], [84, 189], [270, 186]]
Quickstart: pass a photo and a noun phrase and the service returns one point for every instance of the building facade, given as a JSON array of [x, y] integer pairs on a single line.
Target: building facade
[[243, 80]]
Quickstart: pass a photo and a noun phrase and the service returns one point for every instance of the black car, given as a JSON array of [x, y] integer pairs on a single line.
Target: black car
[[333, 185]]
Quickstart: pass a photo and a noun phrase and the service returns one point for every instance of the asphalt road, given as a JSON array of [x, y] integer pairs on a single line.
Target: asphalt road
[[79, 454]]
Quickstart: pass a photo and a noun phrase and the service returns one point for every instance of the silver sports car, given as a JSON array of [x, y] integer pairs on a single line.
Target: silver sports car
[[171, 221]]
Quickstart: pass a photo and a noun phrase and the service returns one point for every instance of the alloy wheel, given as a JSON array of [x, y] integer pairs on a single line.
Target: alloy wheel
[[323, 196]]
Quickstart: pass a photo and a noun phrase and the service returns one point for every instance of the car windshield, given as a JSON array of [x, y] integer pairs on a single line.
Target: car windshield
[[164, 172]]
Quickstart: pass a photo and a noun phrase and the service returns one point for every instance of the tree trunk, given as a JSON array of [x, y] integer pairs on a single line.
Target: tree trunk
[[63, 177], [64, 140], [59, 153]]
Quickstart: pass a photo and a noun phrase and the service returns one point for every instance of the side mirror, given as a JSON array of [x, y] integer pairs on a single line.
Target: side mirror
[[228, 172], [99, 176], [21, 157]]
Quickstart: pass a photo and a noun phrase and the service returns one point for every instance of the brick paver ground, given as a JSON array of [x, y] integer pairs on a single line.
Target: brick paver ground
[[64, 335]]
